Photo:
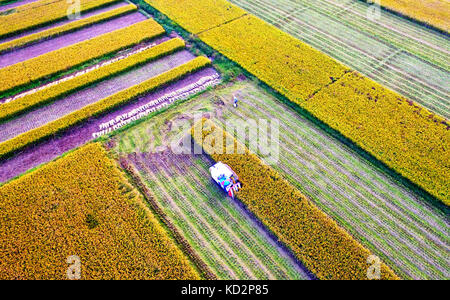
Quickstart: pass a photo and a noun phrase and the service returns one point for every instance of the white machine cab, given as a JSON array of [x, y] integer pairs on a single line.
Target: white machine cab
[[226, 178]]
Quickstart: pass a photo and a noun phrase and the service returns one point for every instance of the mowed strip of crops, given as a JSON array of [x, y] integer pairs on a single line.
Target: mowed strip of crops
[[299, 72], [58, 91], [66, 28], [325, 248], [82, 205], [69, 57], [224, 236], [198, 16], [39, 14], [34, 136], [393, 222], [402, 55], [433, 12]]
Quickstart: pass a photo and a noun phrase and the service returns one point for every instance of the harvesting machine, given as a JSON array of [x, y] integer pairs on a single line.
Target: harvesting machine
[[226, 178]]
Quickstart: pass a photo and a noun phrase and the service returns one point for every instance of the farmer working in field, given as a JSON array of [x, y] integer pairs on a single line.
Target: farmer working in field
[[235, 101]]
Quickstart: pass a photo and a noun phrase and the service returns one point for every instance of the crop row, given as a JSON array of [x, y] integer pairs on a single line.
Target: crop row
[[52, 63], [33, 136], [405, 136], [299, 72], [67, 28], [434, 13], [55, 92], [326, 249], [26, 19], [226, 238], [112, 232]]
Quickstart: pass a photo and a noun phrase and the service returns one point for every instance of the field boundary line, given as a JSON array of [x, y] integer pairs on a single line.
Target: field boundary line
[[222, 24]]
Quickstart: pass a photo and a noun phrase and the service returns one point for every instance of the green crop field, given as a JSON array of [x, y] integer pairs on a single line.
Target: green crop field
[[394, 223], [395, 52]]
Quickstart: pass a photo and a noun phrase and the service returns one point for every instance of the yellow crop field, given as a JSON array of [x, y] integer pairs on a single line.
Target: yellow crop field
[[57, 212], [283, 62], [53, 32], [35, 15], [305, 75], [197, 16], [433, 12], [326, 249], [63, 59]]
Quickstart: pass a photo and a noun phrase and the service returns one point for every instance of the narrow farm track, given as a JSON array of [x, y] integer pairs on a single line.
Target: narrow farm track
[[397, 53], [390, 220], [223, 235]]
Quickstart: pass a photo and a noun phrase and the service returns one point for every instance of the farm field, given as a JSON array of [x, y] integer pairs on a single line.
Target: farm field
[[111, 113], [396, 224], [89, 95], [63, 22], [34, 114], [381, 122], [434, 13], [226, 237], [406, 57], [113, 233], [68, 39]]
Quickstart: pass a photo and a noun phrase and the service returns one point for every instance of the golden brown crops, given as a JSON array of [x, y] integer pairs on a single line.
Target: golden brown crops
[[63, 59], [433, 12], [285, 63], [326, 249], [197, 16], [405, 136], [81, 205]]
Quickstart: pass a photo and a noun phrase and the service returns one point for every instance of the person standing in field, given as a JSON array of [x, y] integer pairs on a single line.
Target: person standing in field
[[235, 101]]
